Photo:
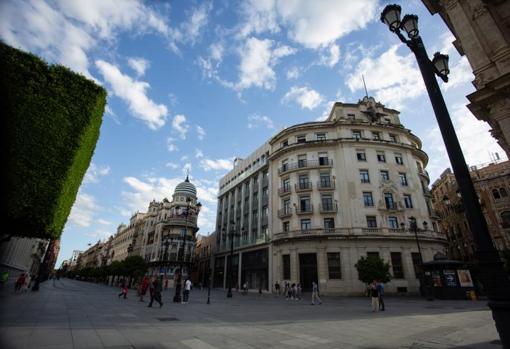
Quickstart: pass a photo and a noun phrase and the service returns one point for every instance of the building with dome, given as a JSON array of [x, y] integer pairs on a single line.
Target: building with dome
[[317, 196], [169, 231]]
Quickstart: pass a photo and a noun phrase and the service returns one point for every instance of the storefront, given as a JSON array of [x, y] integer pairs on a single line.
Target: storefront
[[254, 269]]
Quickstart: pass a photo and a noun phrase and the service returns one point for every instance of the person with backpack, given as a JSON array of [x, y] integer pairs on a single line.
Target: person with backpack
[[156, 288], [380, 288]]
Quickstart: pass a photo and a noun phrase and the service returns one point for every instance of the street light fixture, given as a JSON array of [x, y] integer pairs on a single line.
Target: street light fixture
[[230, 263], [493, 275]]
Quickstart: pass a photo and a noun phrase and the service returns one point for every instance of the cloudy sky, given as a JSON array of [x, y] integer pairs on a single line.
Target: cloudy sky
[[192, 84]]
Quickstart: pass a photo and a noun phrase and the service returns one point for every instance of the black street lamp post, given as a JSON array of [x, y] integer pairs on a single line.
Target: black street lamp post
[[209, 286], [232, 235], [493, 276]]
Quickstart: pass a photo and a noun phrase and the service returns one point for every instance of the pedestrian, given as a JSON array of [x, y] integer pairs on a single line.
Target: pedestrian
[[293, 291], [298, 291], [157, 286], [374, 293], [19, 282], [245, 288], [144, 285], [187, 288], [315, 293], [123, 289], [26, 284], [380, 288], [277, 287], [286, 289]]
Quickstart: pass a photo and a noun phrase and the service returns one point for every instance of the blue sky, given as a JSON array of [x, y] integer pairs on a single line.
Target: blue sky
[[192, 84]]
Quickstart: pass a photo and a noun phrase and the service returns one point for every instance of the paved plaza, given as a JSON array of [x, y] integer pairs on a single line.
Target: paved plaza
[[75, 314]]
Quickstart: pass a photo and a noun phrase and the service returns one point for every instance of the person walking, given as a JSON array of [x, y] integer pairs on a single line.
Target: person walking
[[380, 289], [298, 291], [277, 288], [26, 284], [374, 293], [123, 289], [157, 287], [19, 282], [144, 285], [187, 288], [315, 293]]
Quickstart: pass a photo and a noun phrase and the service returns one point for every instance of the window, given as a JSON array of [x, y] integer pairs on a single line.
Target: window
[[356, 134], [304, 204], [286, 226], [323, 159], [381, 157], [396, 263], [360, 154], [301, 139], [327, 202], [285, 165], [306, 224], [373, 254], [286, 185], [415, 256], [286, 266], [285, 143], [304, 182], [393, 138], [364, 177], [408, 202], [505, 219], [368, 199], [329, 224], [301, 160], [495, 194], [502, 192], [403, 179], [398, 159], [321, 136], [385, 175], [351, 116], [334, 267], [392, 222], [371, 222], [325, 180], [286, 206], [388, 199], [376, 135]]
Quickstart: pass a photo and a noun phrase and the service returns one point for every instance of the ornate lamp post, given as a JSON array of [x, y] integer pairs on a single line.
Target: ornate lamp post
[[494, 277]]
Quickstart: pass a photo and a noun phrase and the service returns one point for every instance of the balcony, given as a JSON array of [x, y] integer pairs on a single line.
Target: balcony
[[303, 186], [265, 182], [265, 200], [325, 185], [264, 221], [305, 164], [328, 208], [285, 190], [301, 210], [284, 212]]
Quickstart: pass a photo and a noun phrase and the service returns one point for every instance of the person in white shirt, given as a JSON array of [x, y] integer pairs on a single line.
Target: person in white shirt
[[187, 288]]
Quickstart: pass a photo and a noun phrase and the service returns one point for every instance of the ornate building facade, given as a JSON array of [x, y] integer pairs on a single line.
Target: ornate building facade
[[492, 184], [318, 196], [482, 33]]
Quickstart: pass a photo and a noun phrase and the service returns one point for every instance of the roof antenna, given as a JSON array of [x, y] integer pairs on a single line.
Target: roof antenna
[[187, 174], [365, 85]]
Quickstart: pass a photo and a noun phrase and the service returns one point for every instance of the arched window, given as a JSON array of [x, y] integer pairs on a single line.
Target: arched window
[[502, 192], [495, 194], [505, 219]]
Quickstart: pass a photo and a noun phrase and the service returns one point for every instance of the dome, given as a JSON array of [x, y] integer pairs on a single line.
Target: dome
[[186, 188]]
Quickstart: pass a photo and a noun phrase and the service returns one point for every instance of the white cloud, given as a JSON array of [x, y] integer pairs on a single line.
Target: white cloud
[[170, 145], [198, 153], [304, 97], [260, 120], [197, 21], [293, 73], [99, 234], [104, 222], [65, 31], [468, 129], [139, 65], [258, 57], [200, 132], [84, 209], [172, 165], [312, 24], [94, 173], [460, 73], [394, 78], [331, 57], [217, 165], [134, 93], [179, 124]]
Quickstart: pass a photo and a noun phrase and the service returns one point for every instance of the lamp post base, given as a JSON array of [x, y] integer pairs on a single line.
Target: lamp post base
[[501, 316], [177, 296], [229, 293]]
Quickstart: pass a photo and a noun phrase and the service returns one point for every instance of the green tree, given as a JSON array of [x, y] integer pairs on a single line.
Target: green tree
[[373, 268]]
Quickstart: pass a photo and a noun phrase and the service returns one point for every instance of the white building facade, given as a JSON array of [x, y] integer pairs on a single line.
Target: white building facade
[[322, 195]]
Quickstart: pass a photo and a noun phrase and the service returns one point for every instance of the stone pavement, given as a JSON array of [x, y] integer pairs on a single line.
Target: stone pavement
[[76, 314]]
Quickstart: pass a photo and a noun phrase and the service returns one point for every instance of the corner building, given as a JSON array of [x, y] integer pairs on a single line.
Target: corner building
[[336, 190]]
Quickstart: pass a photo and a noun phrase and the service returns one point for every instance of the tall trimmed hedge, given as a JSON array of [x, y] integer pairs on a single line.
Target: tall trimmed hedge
[[50, 127]]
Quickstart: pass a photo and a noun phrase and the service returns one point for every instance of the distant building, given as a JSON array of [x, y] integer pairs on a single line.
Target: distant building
[[22, 254], [492, 184], [306, 205], [482, 34], [202, 262]]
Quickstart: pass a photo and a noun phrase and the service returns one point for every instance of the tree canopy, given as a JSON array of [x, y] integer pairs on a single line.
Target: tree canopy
[[373, 268]]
